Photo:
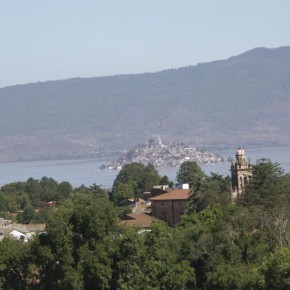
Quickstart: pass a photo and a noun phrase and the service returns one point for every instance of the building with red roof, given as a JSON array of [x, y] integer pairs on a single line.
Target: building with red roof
[[170, 206], [141, 220]]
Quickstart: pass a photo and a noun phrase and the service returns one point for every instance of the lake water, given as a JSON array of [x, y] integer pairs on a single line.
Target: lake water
[[86, 172]]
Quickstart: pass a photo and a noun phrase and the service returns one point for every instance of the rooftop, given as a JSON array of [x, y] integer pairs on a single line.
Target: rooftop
[[178, 194], [137, 219]]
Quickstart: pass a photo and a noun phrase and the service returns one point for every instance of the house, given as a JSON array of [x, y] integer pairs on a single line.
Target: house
[[171, 205], [141, 220], [5, 223]]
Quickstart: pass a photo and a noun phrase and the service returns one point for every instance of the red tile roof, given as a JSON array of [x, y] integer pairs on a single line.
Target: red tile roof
[[178, 194], [138, 219]]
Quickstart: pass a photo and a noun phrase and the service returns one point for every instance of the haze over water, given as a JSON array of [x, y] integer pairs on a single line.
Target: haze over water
[[86, 172]]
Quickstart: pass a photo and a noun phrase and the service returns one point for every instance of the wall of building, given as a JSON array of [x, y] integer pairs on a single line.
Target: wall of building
[[168, 210]]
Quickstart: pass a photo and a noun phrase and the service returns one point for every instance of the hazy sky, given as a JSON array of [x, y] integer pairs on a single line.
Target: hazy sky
[[58, 39]]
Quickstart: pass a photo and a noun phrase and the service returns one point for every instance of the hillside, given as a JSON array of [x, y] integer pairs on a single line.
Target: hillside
[[242, 100]]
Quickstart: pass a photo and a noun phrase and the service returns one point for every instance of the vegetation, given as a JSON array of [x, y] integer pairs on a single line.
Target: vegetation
[[190, 172], [133, 180], [30, 199], [217, 245]]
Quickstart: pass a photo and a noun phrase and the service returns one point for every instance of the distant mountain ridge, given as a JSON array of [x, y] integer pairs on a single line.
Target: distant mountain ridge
[[242, 100]]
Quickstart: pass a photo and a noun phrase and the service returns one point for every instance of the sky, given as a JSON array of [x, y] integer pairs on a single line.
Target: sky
[[61, 39]]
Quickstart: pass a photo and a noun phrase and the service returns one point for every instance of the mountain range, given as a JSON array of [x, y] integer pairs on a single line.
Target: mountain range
[[243, 100]]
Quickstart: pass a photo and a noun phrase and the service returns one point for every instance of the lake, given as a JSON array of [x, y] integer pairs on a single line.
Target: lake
[[86, 172]]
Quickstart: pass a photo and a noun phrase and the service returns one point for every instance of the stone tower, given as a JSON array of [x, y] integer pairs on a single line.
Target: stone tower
[[241, 174]]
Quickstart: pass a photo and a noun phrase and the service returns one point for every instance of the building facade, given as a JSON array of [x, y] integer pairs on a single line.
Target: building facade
[[170, 206]]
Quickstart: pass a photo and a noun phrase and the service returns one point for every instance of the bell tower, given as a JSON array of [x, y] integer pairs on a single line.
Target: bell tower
[[241, 172]]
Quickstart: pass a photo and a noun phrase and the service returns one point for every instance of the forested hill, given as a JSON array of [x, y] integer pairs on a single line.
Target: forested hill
[[242, 100]]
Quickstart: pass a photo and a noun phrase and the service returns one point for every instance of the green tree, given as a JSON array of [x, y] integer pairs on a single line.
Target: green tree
[[150, 177], [268, 185], [226, 245], [3, 206], [49, 189], [94, 225], [190, 172], [122, 191], [33, 189], [213, 189], [42, 215], [16, 198], [165, 181], [135, 178], [75, 251], [64, 189], [129, 261], [14, 265], [52, 252], [27, 216], [276, 270], [165, 267], [131, 172], [236, 276], [82, 190], [98, 191]]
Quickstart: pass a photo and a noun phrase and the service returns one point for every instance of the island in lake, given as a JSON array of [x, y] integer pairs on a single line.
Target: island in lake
[[164, 155]]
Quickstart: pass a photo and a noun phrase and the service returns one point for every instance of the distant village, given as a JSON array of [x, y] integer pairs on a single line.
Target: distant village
[[164, 154]]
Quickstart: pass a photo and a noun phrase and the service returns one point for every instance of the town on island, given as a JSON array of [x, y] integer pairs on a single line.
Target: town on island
[[164, 154]]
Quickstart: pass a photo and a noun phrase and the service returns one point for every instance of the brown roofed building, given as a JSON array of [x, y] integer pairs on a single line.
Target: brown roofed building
[[170, 206], [141, 220]]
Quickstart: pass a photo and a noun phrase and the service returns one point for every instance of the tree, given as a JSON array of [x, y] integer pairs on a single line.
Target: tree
[[165, 266], [15, 195], [135, 178], [226, 245], [98, 191], [93, 223], [129, 261], [268, 185], [52, 252], [165, 181], [122, 192], [276, 270], [229, 276], [33, 189], [213, 189], [14, 264], [64, 189], [49, 189], [190, 172], [131, 172], [42, 215], [75, 252], [2, 202], [27, 216], [150, 177]]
